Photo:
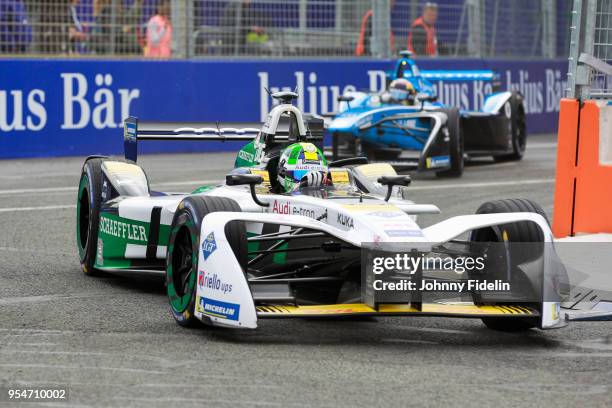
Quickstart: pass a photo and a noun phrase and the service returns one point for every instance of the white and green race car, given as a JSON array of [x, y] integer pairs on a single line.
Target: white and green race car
[[244, 249]]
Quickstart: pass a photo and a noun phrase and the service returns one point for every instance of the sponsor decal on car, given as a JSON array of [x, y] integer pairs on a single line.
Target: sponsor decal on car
[[345, 221], [213, 282], [287, 208], [340, 177], [209, 245], [437, 161], [310, 166], [124, 230], [404, 233], [217, 308], [246, 156], [129, 132]]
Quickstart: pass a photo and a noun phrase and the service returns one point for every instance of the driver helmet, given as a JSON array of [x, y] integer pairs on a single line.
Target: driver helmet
[[301, 164], [401, 89]]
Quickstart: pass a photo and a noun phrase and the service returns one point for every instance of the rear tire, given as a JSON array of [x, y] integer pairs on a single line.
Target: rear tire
[[456, 148], [89, 200], [515, 232], [183, 252], [518, 129]]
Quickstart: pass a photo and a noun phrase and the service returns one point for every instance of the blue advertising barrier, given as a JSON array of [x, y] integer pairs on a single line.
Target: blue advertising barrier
[[76, 107]]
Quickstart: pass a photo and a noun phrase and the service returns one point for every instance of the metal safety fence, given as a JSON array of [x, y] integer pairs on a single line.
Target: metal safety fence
[[283, 28], [590, 55]]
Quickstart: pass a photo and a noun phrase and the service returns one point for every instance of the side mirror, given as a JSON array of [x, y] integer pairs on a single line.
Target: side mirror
[[345, 98], [392, 181], [242, 179], [251, 179]]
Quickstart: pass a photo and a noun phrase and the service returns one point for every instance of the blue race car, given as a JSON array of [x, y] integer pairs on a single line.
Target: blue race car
[[406, 126]]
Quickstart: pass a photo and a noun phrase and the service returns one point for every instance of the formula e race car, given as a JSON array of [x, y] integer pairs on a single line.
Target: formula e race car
[[414, 131], [254, 246]]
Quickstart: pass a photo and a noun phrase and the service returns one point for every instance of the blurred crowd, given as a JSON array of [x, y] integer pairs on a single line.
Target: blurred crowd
[[144, 27], [58, 27]]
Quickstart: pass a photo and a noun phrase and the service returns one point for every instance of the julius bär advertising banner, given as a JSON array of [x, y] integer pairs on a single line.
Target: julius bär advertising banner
[[75, 107]]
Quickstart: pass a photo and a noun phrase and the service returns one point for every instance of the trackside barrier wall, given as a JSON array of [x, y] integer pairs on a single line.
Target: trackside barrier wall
[[583, 192], [76, 107]]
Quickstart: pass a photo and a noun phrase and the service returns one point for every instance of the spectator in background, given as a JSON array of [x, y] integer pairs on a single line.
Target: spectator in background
[[364, 44], [53, 22], [77, 36], [246, 27], [423, 39], [102, 29], [159, 33], [15, 29], [124, 30], [129, 38]]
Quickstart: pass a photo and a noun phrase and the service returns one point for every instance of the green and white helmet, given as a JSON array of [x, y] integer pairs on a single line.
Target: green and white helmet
[[298, 161]]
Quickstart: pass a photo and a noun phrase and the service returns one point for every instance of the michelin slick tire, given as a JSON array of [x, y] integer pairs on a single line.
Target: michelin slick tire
[[456, 144], [515, 232], [89, 199], [518, 129], [183, 252]]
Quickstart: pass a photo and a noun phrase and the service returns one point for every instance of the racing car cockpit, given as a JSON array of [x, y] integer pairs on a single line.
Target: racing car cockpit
[[401, 92]]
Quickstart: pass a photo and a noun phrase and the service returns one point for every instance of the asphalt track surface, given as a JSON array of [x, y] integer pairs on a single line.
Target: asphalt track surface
[[112, 341]]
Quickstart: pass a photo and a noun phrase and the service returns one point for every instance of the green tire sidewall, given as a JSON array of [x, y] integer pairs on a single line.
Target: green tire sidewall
[[182, 306], [83, 189]]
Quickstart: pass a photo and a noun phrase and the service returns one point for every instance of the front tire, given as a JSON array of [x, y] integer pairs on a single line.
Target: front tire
[[183, 252], [89, 200], [518, 129], [456, 145], [515, 232]]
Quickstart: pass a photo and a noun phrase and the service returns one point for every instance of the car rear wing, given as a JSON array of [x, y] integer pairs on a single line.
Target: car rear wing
[[460, 75], [135, 131], [464, 76]]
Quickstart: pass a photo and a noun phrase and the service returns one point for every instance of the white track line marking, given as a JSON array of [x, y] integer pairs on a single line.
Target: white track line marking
[[37, 175], [74, 189], [81, 367], [47, 298], [44, 208], [517, 183], [38, 190], [541, 145]]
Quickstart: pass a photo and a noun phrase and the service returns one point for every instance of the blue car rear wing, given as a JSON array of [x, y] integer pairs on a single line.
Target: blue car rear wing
[[135, 131], [444, 75]]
